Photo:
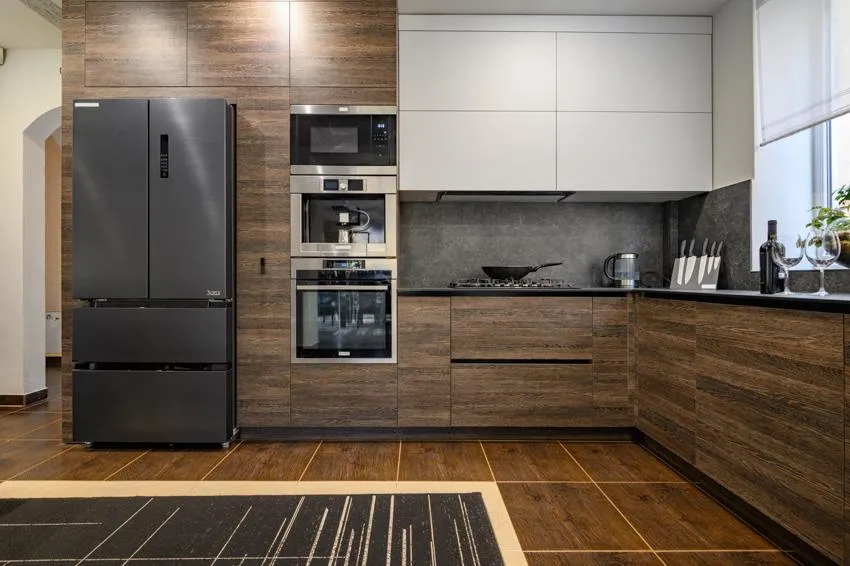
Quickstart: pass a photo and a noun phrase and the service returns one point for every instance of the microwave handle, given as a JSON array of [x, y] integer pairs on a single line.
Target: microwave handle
[[342, 288]]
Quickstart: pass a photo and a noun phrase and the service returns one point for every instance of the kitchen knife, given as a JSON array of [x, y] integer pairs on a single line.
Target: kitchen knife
[[705, 247], [703, 261], [713, 249], [681, 262], [692, 261], [717, 257]]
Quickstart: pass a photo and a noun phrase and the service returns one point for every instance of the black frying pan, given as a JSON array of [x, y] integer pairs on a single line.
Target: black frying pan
[[513, 271]]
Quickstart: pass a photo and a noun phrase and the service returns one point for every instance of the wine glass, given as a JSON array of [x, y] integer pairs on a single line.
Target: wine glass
[[822, 249], [788, 253]]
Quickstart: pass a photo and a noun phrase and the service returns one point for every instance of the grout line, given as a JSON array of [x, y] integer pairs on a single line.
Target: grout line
[[128, 464], [310, 461], [492, 475], [223, 458], [42, 462], [605, 495], [398, 463], [35, 429], [598, 482], [675, 551]]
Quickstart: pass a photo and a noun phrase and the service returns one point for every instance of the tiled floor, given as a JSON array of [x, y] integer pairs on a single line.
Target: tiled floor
[[570, 503]]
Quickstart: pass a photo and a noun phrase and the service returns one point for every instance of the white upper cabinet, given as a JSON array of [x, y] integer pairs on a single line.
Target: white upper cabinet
[[634, 72], [472, 70], [634, 151], [476, 151]]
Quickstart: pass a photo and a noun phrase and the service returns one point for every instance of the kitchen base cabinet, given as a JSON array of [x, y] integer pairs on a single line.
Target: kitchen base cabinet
[[424, 397], [666, 352], [517, 395], [770, 407], [612, 379], [344, 395]]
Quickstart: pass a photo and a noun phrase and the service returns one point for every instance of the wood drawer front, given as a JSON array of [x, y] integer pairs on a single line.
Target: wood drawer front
[[424, 396], [520, 394], [424, 332], [770, 402], [498, 328], [344, 395], [666, 353], [612, 382]]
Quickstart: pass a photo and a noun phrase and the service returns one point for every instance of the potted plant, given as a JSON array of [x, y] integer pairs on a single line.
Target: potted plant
[[836, 219]]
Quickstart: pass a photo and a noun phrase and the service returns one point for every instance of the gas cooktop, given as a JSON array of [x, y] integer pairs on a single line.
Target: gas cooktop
[[485, 283]]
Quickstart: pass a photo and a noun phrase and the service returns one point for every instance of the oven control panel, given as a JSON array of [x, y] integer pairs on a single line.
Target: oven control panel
[[343, 185]]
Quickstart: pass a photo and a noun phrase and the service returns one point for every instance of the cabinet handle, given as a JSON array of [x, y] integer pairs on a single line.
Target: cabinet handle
[[262, 266]]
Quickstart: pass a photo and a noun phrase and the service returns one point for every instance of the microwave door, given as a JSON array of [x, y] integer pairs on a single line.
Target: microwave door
[[343, 144]]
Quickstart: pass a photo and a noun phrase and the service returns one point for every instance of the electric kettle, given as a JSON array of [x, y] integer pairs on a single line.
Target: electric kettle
[[622, 270]]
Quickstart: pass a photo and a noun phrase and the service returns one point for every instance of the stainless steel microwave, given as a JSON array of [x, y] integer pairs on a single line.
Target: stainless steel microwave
[[343, 140]]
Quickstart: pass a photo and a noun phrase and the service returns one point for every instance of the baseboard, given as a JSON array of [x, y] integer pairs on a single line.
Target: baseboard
[[764, 525], [622, 434], [23, 400]]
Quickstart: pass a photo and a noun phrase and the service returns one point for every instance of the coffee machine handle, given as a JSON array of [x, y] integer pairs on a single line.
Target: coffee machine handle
[[363, 227], [609, 261]]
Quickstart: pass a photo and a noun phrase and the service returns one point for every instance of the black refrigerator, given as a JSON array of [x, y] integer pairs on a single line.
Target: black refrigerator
[[153, 271]]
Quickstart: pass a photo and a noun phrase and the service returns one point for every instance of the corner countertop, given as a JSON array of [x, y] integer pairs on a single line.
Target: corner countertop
[[834, 302]]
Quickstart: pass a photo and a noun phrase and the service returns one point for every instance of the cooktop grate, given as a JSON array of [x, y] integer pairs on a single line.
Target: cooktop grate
[[486, 283]]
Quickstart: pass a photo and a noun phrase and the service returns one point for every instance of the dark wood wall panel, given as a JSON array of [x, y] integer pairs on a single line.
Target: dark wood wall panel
[[238, 43], [770, 401], [344, 395], [263, 136], [611, 351], [348, 43], [487, 328], [846, 439], [424, 365], [135, 44], [333, 95], [666, 356]]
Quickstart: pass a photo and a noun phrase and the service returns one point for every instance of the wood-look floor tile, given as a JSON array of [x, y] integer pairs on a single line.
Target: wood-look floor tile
[[681, 517], [265, 461], [354, 461], [81, 464], [566, 516], [16, 424], [52, 431], [532, 461], [171, 465], [620, 462], [17, 456], [49, 405], [443, 461], [592, 559], [727, 559]]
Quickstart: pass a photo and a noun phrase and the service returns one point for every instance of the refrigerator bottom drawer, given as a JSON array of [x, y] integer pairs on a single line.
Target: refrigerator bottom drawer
[[153, 406]]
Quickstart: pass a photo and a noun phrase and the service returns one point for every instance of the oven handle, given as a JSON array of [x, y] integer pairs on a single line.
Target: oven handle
[[342, 287]]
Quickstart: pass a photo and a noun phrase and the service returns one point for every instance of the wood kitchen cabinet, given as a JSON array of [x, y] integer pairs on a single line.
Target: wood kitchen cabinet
[[666, 354], [424, 364], [770, 409], [522, 328], [344, 395], [846, 439], [613, 379]]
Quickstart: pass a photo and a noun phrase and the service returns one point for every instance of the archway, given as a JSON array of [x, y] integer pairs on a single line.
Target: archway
[[34, 215]]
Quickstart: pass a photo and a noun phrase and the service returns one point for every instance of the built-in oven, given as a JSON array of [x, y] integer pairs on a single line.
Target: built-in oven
[[344, 310], [343, 216], [343, 140]]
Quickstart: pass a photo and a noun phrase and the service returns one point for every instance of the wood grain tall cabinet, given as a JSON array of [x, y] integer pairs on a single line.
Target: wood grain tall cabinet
[[262, 56]]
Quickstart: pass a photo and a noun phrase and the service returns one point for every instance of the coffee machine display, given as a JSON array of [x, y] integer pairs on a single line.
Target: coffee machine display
[[622, 270], [344, 217]]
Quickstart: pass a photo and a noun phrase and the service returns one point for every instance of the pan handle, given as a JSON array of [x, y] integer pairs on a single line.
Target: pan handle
[[542, 265]]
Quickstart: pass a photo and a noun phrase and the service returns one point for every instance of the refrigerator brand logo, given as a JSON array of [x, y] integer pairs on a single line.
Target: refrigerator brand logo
[[211, 293], [343, 108]]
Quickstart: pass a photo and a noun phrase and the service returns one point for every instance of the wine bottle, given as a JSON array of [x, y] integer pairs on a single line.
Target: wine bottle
[[770, 281]]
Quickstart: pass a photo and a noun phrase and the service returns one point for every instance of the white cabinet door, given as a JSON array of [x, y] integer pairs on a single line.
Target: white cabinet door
[[510, 71], [634, 151], [634, 72], [443, 151]]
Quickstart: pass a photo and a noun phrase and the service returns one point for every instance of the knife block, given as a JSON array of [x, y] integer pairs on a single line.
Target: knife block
[[693, 283]]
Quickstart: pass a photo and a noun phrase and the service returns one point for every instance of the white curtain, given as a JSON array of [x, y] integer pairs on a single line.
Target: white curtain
[[803, 54]]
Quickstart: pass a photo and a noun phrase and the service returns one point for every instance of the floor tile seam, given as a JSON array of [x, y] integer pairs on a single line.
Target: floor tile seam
[[68, 449], [657, 551], [599, 482], [127, 465], [611, 502], [310, 461], [32, 430], [223, 458], [398, 462], [487, 459]]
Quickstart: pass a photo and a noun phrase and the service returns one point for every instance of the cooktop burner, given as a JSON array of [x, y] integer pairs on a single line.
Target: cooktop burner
[[485, 283]]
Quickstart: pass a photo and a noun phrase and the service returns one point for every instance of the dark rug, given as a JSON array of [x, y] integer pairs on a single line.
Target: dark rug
[[331, 530]]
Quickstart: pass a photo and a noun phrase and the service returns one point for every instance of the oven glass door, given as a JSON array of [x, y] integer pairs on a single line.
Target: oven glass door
[[351, 320], [343, 140]]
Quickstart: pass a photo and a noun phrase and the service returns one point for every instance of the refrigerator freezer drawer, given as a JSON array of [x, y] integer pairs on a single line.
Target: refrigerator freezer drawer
[[153, 406], [153, 335]]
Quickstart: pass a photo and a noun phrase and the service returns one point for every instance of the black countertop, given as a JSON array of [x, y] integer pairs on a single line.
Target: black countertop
[[834, 302]]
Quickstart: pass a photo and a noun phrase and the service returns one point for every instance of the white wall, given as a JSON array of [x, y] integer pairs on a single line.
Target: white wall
[[30, 85]]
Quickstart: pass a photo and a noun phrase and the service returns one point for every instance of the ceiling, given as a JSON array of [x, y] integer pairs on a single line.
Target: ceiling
[[573, 7], [22, 28]]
